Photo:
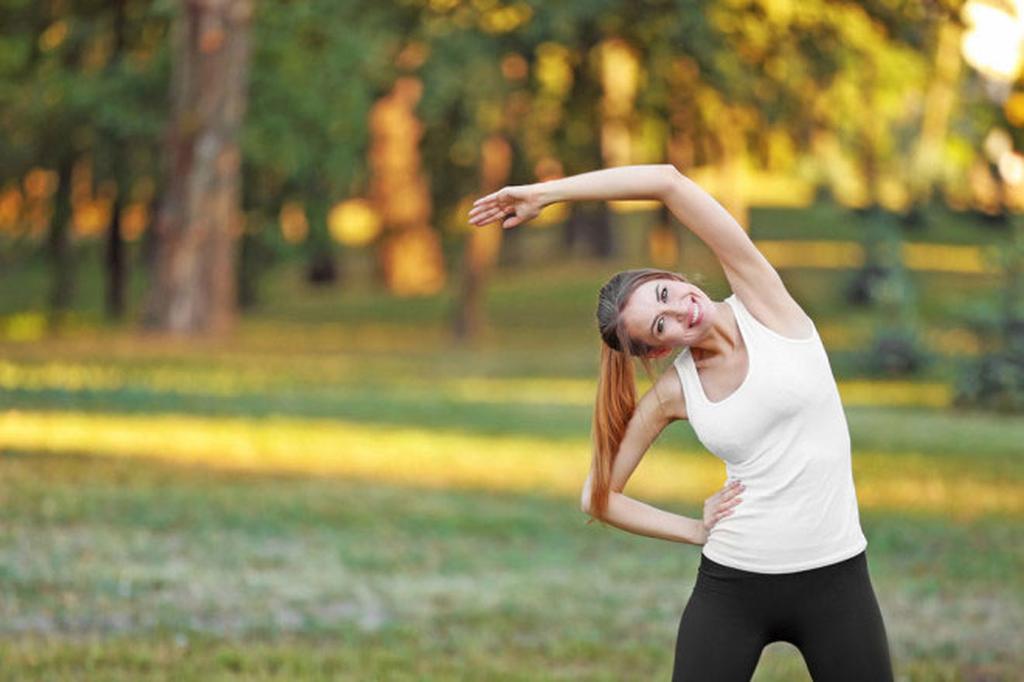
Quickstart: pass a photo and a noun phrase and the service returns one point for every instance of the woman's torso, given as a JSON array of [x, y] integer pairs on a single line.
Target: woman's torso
[[784, 433]]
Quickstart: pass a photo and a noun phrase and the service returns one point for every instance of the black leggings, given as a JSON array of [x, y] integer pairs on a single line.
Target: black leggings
[[829, 613]]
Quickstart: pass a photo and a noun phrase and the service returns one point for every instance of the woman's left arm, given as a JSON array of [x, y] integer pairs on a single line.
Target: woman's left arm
[[754, 280], [750, 274]]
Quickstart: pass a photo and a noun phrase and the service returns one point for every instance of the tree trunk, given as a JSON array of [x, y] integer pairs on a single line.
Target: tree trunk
[[583, 123], [200, 216], [321, 265], [483, 243], [114, 260], [590, 225], [938, 105], [59, 246], [115, 265]]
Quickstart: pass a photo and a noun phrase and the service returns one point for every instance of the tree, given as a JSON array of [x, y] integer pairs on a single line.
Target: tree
[[193, 288], [80, 87], [314, 80]]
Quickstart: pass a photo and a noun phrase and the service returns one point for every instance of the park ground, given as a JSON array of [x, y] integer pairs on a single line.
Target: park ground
[[338, 492]]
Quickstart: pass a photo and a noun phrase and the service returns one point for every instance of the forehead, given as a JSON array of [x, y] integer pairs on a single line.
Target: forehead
[[642, 307]]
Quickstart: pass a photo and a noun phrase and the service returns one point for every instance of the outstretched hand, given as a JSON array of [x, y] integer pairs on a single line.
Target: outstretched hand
[[512, 205]]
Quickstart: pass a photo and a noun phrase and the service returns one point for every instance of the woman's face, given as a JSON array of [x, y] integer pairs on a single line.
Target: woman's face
[[661, 313]]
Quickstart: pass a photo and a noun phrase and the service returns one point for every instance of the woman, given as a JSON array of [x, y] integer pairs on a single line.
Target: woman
[[754, 381]]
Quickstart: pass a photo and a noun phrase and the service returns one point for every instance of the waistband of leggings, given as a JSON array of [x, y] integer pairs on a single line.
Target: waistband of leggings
[[720, 569]]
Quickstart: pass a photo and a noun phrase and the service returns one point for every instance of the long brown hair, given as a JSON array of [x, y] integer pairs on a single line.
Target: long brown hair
[[616, 387]]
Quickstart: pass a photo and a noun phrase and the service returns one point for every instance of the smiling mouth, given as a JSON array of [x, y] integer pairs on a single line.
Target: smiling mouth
[[696, 314]]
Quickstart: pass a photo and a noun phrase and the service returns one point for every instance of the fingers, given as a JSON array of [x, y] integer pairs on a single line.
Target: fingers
[[731, 503], [729, 495], [488, 198], [729, 490], [483, 209], [489, 212], [723, 503], [484, 217], [732, 490], [482, 214], [496, 199], [727, 508], [716, 517]]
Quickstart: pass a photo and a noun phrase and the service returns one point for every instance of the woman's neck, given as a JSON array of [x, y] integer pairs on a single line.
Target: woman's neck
[[722, 339]]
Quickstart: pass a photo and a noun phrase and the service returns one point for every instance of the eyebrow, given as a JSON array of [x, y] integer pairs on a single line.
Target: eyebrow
[[658, 299]]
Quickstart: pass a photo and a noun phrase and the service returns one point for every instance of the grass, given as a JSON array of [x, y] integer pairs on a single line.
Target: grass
[[337, 492], [194, 573]]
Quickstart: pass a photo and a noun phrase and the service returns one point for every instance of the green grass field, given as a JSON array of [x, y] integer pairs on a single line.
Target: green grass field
[[337, 492]]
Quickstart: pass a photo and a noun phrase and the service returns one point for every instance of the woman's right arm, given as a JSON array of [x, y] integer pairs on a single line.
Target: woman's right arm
[[649, 418], [643, 519]]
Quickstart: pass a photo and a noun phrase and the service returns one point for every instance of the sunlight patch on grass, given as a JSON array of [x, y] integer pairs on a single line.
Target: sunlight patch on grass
[[946, 486], [73, 376], [833, 254], [932, 394], [232, 381], [23, 327]]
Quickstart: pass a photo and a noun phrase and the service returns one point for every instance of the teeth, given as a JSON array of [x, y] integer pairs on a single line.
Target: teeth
[[693, 315]]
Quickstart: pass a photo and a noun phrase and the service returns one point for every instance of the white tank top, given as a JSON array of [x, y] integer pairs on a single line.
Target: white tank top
[[783, 432]]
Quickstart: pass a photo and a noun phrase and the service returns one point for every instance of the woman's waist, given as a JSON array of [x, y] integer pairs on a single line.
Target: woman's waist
[[786, 467], [765, 509], [721, 563]]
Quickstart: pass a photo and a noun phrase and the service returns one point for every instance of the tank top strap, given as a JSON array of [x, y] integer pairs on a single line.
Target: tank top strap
[[749, 327], [685, 369], [756, 333], [686, 365]]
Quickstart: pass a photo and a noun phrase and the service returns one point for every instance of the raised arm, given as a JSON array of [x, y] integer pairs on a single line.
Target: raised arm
[[516, 204], [749, 273]]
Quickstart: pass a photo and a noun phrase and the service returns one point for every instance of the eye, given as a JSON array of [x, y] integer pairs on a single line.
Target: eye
[[659, 326]]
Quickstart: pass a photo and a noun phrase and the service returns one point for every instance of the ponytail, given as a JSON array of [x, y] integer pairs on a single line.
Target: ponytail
[[616, 400], [616, 386]]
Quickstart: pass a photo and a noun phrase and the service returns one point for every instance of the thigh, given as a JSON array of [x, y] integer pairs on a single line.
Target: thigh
[[720, 637], [841, 633]]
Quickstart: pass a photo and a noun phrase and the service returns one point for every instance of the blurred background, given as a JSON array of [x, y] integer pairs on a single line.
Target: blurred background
[[270, 408]]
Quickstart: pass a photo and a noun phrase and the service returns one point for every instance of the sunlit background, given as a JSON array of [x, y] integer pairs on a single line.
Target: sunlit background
[[270, 408]]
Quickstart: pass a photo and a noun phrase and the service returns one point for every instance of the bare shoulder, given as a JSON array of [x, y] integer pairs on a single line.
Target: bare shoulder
[[667, 395], [764, 294]]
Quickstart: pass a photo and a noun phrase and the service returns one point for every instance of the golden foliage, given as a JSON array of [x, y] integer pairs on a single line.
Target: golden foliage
[[134, 219], [663, 247], [354, 222], [10, 208], [514, 67], [1014, 109], [505, 19], [294, 225], [53, 36], [553, 69], [413, 264]]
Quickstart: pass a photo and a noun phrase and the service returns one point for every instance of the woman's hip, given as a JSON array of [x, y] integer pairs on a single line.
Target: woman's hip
[[821, 581]]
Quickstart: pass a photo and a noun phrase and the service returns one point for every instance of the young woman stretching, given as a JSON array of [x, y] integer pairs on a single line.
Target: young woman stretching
[[754, 381]]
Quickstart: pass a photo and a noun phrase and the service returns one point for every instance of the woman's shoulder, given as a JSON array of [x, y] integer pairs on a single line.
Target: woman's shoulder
[[781, 316]]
